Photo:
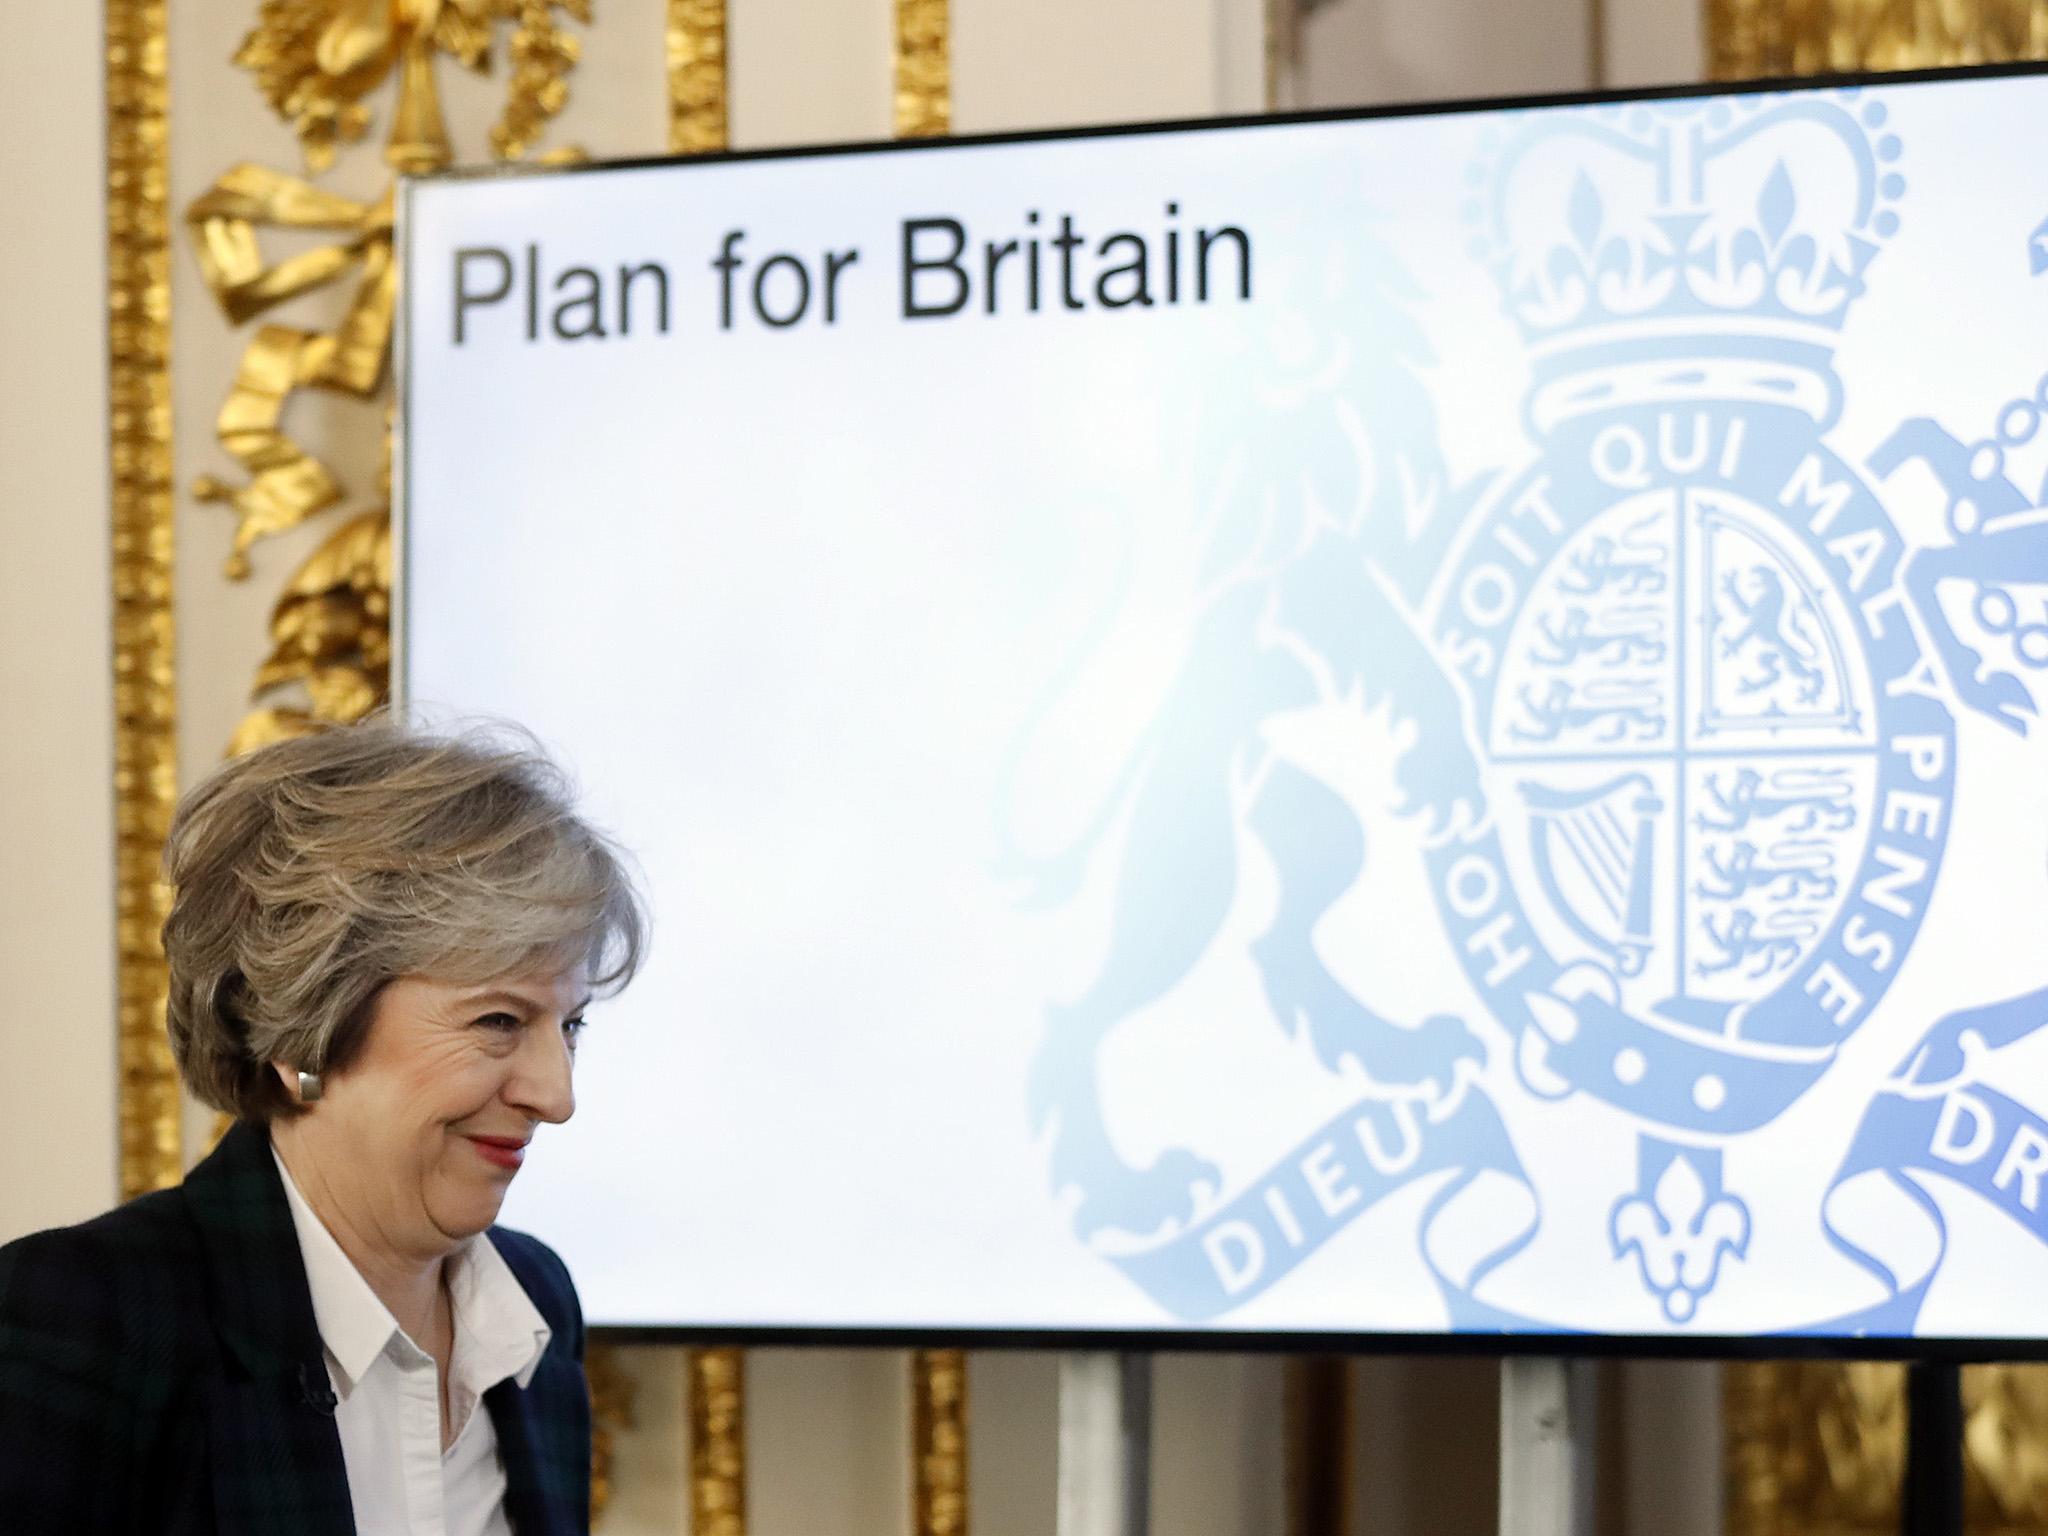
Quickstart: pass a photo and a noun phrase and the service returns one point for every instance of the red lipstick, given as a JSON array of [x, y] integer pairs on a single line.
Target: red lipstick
[[505, 1151]]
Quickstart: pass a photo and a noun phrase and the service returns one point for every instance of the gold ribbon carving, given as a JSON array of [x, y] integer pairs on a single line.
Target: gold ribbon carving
[[318, 63]]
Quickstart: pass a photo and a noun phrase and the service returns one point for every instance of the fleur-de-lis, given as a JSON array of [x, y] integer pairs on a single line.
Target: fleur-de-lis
[[1679, 1234]]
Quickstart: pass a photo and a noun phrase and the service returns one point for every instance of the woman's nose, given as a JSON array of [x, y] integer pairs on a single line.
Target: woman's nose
[[543, 1082]]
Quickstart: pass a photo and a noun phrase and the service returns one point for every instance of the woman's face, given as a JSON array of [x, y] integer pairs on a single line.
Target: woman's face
[[420, 1136]]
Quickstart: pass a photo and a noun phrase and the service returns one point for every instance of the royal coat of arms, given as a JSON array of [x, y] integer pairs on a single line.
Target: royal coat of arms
[[1674, 709]]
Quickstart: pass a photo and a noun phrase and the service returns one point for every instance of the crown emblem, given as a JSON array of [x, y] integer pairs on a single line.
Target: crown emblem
[[1700, 224]]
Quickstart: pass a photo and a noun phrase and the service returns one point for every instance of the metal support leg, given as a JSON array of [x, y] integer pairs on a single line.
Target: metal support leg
[[1546, 1447], [1105, 1456], [1932, 1501]]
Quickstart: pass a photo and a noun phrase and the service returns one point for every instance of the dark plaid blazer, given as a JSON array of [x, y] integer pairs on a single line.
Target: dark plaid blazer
[[161, 1372]]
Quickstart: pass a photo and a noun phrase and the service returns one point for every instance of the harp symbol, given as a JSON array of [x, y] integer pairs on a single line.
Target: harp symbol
[[1594, 851]]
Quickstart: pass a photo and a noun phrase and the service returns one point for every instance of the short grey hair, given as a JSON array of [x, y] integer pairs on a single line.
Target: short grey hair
[[309, 874]]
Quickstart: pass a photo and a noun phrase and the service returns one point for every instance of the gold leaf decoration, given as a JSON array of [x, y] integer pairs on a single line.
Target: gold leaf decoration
[[317, 62], [1755, 39], [144, 638], [718, 1450], [542, 57], [938, 1438], [924, 69], [696, 76], [330, 632], [284, 50]]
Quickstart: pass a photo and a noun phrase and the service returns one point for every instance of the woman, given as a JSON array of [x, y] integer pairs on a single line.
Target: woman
[[381, 944]]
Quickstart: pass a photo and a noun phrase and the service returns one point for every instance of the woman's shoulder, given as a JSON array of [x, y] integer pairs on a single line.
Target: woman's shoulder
[[125, 1269], [105, 1335]]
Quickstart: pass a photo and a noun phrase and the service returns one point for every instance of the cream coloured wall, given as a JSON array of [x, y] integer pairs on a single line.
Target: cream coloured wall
[[1066, 63], [58, 1138], [1361, 52], [1367, 52], [1654, 42], [809, 71]]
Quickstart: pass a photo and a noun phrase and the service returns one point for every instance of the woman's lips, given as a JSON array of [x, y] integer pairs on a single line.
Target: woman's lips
[[505, 1151]]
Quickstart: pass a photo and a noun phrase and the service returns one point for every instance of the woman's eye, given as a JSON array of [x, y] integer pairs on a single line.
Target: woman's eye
[[573, 1028], [500, 1021]]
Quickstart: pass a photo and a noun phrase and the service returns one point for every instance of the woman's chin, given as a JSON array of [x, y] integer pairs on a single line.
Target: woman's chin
[[466, 1212]]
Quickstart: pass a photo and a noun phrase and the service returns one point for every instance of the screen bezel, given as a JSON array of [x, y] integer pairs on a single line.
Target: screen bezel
[[1948, 1349]]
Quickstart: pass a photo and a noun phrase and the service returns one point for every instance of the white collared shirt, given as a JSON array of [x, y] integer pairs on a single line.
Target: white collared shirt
[[389, 1391]]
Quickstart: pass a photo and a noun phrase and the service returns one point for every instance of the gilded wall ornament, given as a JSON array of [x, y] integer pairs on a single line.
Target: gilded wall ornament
[[320, 64], [144, 651]]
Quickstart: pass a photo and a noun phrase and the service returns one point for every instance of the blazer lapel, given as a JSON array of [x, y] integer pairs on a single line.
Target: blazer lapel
[[277, 1462], [537, 1500]]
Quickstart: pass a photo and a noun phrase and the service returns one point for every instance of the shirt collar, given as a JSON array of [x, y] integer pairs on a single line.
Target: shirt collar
[[499, 1333]]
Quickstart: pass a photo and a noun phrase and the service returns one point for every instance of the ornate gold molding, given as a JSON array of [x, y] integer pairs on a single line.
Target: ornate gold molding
[[320, 64], [145, 675], [938, 1438], [718, 1442], [1751, 39], [1813, 1449], [924, 69], [696, 76]]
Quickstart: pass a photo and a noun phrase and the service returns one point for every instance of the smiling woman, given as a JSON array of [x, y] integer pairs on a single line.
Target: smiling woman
[[381, 946]]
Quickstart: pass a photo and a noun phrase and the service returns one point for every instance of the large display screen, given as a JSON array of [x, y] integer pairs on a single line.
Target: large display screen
[[1390, 725]]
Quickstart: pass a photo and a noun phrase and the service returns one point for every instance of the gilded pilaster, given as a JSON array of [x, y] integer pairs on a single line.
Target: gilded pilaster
[[718, 1442], [696, 76], [924, 69], [145, 678]]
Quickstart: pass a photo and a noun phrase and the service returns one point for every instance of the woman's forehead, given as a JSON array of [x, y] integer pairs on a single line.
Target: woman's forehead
[[563, 987]]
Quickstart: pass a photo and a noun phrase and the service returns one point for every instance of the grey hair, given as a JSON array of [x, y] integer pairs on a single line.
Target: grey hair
[[309, 874]]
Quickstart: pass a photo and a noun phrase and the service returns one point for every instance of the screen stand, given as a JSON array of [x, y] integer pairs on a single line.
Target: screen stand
[[1546, 1447], [1105, 1454], [1932, 1504]]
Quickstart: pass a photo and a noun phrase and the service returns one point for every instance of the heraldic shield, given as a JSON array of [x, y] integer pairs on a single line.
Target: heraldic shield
[[1717, 776], [1679, 704]]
